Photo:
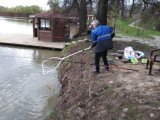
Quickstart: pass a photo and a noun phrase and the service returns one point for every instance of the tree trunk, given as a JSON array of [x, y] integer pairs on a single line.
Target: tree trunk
[[83, 16], [132, 8], [102, 11], [82, 10], [123, 8]]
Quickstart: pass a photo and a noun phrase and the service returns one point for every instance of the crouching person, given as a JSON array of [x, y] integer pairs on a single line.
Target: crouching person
[[102, 41]]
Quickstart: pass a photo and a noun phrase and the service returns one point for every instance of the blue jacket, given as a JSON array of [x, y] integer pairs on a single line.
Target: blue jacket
[[102, 36]]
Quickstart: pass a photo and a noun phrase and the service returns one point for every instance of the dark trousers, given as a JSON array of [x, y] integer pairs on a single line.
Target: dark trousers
[[97, 59]]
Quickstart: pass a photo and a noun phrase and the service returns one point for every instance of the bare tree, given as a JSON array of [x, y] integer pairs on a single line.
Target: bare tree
[[132, 7], [150, 2], [54, 5], [102, 11], [122, 7], [81, 7], [82, 10], [150, 15]]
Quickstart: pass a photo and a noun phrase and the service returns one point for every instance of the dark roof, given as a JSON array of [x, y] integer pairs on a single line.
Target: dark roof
[[49, 15]]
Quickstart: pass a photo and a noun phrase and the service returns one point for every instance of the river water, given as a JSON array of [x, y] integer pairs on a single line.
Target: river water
[[25, 93], [15, 26]]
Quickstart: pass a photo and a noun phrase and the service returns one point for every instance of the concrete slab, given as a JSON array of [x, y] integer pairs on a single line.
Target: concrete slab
[[29, 40]]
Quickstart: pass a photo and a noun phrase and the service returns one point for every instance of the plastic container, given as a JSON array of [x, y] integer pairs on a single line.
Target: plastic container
[[134, 60], [144, 61]]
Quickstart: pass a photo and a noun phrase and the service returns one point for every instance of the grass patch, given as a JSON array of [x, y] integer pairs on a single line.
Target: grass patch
[[123, 27], [152, 32], [49, 115]]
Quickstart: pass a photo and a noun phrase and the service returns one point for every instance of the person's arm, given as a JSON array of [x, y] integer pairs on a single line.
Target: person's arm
[[112, 32], [94, 38], [113, 35]]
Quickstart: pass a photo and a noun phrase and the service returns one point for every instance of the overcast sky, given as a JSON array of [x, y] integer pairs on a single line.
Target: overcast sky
[[13, 3]]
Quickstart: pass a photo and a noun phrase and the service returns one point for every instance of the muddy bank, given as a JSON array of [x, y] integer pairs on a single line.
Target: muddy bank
[[111, 95]]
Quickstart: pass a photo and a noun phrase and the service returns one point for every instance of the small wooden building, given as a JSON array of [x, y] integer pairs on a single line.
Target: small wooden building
[[90, 18], [52, 27]]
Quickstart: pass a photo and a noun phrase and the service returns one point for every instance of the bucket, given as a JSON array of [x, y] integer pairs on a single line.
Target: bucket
[[120, 56]]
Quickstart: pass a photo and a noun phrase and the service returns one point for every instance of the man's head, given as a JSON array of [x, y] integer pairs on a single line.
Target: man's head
[[95, 23]]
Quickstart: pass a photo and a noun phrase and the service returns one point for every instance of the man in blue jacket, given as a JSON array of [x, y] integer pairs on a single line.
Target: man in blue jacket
[[102, 41]]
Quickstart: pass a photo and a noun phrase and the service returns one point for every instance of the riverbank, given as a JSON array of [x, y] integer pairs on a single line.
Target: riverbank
[[115, 94]]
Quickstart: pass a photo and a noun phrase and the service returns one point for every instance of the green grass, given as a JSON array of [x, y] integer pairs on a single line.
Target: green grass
[[152, 32], [123, 28]]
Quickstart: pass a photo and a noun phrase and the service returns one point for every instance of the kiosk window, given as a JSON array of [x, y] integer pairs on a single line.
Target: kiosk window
[[45, 24]]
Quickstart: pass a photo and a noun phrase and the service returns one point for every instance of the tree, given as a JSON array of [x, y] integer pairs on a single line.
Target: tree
[[132, 8], [22, 9], [54, 5], [150, 2], [102, 11], [80, 6], [150, 16], [90, 6], [82, 10]]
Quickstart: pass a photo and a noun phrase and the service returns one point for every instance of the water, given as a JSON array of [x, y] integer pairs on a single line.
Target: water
[[25, 93], [24, 90], [15, 26]]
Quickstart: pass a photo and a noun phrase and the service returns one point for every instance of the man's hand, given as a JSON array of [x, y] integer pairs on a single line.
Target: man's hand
[[112, 35], [94, 44]]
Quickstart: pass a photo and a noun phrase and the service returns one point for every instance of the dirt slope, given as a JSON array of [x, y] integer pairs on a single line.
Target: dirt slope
[[117, 94]]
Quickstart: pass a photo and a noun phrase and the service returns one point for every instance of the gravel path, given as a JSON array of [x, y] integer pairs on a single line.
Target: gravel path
[[150, 42]]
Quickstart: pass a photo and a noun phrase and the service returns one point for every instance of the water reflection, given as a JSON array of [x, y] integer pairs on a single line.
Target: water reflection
[[24, 91]]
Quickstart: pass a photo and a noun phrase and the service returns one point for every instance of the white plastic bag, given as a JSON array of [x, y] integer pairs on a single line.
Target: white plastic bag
[[129, 53]]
